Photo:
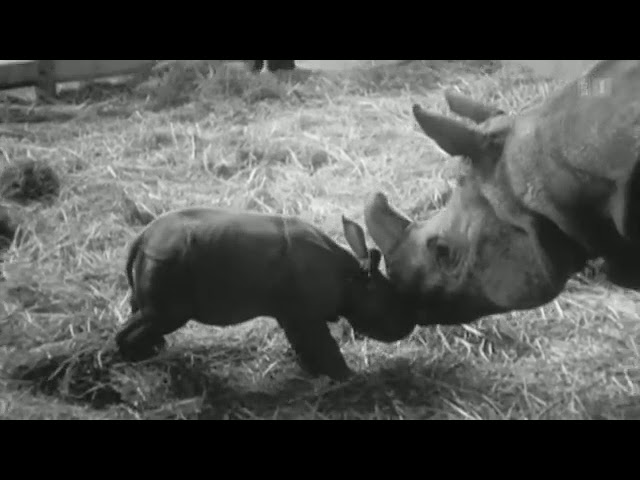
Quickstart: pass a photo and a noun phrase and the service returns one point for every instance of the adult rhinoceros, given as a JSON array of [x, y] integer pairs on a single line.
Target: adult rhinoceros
[[548, 189]]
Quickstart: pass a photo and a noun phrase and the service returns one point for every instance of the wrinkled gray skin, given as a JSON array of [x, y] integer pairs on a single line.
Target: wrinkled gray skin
[[223, 267], [547, 190]]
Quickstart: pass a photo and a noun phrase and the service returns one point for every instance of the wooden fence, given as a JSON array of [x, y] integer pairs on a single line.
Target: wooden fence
[[45, 74]]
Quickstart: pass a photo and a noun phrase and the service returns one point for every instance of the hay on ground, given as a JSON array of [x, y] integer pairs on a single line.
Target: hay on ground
[[317, 149]]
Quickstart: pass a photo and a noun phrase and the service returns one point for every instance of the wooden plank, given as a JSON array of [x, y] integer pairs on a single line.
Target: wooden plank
[[18, 73], [561, 69], [25, 73], [75, 70]]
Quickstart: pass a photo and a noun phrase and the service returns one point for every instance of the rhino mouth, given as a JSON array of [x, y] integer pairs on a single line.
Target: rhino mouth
[[443, 309]]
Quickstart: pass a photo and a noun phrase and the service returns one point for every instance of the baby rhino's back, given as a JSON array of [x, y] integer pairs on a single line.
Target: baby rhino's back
[[233, 266]]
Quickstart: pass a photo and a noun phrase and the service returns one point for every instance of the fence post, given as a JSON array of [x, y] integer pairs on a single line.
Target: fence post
[[46, 83]]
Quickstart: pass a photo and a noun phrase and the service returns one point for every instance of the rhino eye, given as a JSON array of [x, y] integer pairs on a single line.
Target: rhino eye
[[440, 250]]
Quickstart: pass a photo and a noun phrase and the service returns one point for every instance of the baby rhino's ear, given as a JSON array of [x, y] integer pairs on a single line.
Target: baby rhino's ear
[[355, 238]]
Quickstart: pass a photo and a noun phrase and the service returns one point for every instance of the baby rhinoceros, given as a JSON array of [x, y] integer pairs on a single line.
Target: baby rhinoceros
[[223, 267]]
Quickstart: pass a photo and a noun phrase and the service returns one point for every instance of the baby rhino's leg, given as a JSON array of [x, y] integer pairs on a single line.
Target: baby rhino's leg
[[317, 350], [137, 339], [142, 336], [133, 303]]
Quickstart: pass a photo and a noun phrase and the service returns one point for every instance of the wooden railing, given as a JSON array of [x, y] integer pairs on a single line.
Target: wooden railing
[[45, 74]]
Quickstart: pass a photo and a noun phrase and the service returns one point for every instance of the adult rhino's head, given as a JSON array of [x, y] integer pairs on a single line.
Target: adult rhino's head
[[484, 252]]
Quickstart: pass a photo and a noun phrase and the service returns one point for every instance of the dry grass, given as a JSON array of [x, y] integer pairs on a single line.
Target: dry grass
[[316, 150]]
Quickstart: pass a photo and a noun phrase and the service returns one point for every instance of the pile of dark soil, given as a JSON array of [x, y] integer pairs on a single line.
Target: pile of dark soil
[[29, 181]]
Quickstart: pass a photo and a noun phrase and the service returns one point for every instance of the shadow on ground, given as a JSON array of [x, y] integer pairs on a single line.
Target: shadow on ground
[[213, 382], [396, 391]]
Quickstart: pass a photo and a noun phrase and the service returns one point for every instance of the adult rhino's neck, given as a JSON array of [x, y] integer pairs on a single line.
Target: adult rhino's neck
[[596, 81], [571, 158], [562, 255], [557, 253], [536, 174]]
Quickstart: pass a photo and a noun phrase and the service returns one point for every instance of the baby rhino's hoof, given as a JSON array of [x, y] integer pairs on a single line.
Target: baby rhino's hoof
[[309, 369], [139, 353], [341, 375]]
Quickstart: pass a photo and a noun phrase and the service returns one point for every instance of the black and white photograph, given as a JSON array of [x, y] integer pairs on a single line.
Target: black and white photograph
[[319, 239]]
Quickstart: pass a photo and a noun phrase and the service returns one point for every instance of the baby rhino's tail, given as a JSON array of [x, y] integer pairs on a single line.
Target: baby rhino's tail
[[133, 253]]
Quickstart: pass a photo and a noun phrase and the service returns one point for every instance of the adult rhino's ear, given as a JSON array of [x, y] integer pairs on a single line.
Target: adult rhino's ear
[[453, 136], [385, 224], [458, 139], [473, 110], [355, 238]]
